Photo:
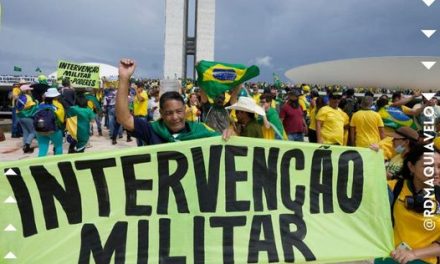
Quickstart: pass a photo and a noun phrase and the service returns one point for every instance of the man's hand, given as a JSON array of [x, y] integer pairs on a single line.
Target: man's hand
[[126, 68], [403, 256], [227, 133]]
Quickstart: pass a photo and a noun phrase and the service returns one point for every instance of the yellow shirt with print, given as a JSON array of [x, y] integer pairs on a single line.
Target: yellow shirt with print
[[140, 108], [367, 123], [333, 122], [409, 225]]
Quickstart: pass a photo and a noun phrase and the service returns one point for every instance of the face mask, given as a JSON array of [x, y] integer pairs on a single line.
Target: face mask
[[399, 149]]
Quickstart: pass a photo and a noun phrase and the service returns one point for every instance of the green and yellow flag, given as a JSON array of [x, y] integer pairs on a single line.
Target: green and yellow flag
[[276, 81], [216, 78], [17, 69]]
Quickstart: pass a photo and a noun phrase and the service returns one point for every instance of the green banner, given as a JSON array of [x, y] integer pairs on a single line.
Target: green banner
[[199, 201], [80, 75]]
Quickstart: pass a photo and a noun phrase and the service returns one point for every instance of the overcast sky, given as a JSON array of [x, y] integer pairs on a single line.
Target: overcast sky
[[277, 35]]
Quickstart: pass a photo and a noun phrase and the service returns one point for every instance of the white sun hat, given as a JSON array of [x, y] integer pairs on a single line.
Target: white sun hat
[[247, 104], [51, 93]]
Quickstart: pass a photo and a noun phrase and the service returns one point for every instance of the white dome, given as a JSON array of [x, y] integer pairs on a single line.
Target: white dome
[[105, 70], [384, 72]]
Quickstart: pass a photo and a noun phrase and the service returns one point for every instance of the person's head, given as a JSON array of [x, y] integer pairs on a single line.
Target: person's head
[[414, 168], [334, 99], [245, 109], [293, 95], [254, 88], [396, 96], [244, 117], [172, 110], [50, 94], [193, 99], [382, 101], [274, 91], [42, 79], [366, 102], [349, 92], [139, 86], [404, 138], [220, 100], [81, 100], [266, 101], [65, 82], [369, 93], [320, 102], [26, 89], [314, 93]]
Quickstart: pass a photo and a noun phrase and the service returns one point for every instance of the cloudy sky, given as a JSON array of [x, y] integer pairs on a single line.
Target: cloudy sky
[[275, 34]]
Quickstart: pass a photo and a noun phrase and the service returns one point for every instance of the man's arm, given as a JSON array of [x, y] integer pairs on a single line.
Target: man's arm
[[234, 94], [381, 133], [318, 131], [406, 100], [353, 135], [126, 69]]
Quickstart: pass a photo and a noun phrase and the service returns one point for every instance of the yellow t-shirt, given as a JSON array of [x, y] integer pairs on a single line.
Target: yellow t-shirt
[[191, 113], [302, 101], [333, 122], [312, 116], [409, 225], [367, 123], [140, 108], [256, 98]]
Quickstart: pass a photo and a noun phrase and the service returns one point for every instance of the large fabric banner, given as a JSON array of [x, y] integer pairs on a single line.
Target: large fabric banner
[[80, 75], [199, 201]]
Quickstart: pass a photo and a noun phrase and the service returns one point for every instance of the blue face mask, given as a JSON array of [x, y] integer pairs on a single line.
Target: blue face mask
[[399, 149]]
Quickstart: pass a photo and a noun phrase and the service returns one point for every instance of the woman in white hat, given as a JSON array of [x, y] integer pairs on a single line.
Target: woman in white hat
[[245, 110], [51, 130]]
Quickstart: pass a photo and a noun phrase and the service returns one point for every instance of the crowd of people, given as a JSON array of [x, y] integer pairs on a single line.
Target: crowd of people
[[330, 115]]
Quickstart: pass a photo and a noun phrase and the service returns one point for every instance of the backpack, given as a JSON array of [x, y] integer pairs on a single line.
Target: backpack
[[45, 120]]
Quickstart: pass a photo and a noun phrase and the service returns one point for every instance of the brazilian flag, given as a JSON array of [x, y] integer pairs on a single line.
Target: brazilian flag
[[17, 68], [215, 78], [276, 81], [395, 118]]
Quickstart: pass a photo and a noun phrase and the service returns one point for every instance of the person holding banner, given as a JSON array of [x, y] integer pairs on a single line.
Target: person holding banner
[[411, 208], [171, 127]]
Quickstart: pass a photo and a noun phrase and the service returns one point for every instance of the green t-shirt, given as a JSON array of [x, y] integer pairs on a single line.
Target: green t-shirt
[[252, 129]]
